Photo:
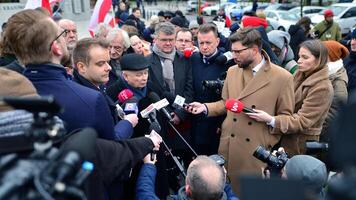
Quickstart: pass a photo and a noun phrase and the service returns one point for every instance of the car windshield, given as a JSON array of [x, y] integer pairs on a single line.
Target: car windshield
[[336, 10], [288, 16]]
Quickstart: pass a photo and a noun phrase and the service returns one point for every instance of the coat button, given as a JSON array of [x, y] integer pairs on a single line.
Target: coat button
[[250, 123], [232, 135], [253, 106], [234, 119], [247, 139]]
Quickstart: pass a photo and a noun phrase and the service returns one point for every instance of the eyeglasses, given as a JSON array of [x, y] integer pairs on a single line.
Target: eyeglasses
[[64, 33], [239, 51], [185, 41], [166, 40]]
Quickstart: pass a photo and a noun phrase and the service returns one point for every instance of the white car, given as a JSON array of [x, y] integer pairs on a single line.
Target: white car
[[344, 15], [213, 10], [192, 5], [308, 11], [281, 20]]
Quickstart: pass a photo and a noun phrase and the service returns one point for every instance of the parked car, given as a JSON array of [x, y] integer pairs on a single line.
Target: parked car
[[308, 11], [279, 6], [281, 20], [237, 12], [344, 15], [192, 5], [213, 10]]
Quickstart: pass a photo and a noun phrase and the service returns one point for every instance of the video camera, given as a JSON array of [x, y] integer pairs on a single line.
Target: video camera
[[46, 172], [274, 163]]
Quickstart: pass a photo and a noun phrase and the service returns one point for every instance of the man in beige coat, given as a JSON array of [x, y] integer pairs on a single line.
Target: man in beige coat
[[259, 84]]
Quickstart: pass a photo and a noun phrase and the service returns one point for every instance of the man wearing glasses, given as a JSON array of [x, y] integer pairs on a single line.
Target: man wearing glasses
[[71, 36], [170, 75], [184, 41], [258, 84], [119, 43]]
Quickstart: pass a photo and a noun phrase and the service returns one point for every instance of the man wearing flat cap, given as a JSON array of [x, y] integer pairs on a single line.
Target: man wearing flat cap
[[327, 29]]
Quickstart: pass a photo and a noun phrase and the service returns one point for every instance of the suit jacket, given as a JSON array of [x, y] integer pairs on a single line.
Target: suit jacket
[[271, 90], [182, 77]]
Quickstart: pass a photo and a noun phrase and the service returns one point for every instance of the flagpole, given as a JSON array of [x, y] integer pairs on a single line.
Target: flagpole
[[113, 18]]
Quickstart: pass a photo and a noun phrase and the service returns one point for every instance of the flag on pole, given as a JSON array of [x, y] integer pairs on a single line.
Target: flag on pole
[[32, 4], [101, 13]]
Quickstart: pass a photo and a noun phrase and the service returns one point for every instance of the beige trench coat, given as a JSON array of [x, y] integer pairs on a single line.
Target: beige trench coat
[[270, 90]]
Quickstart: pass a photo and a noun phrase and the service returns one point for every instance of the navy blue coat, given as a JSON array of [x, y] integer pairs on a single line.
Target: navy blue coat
[[205, 129], [350, 66], [83, 107]]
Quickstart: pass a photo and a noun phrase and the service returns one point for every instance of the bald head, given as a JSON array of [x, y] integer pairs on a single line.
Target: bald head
[[71, 37], [205, 179]]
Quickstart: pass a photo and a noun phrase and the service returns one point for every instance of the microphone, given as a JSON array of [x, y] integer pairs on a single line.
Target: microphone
[[130, 106], [187, 52], [160, 104], [125, 95], [224, 58], [237, 106], [179, 102]]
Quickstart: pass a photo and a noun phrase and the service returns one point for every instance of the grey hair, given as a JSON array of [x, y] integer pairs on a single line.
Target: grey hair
[[201, 188], [113, 33], [164, 27], [100, 28]]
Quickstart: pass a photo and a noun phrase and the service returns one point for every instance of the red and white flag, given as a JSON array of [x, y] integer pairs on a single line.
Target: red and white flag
[[101, 13], [32, 4]]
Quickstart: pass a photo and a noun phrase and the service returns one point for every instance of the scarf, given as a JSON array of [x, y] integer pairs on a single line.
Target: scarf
[[138, 93], [167, 68]]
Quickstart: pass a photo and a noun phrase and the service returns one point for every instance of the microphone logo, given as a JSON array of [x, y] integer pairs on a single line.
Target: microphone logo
[[235, 107]]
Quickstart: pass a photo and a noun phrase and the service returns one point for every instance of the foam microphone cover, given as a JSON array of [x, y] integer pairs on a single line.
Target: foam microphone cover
[[187, 52], [153, 97], [124, 95], [83, 142], [234, 105]]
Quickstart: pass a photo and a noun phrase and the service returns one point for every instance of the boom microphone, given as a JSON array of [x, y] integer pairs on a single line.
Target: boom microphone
[[237, 106], [155, 99]]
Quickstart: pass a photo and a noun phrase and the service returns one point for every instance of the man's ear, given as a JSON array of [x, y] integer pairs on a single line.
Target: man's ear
[[124, 75], [187, 190], [56, 48], [81, 67]]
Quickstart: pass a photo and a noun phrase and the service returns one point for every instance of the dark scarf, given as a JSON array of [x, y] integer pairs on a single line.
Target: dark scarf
[[139, 93]]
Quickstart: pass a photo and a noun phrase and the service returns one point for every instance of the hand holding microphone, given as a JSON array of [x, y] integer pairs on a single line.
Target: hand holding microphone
[[132, 118], [237, 106], [196, 108]]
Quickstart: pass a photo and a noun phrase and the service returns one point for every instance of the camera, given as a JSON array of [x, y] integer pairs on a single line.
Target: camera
[[315, 147], [213, 85], [274, 163]]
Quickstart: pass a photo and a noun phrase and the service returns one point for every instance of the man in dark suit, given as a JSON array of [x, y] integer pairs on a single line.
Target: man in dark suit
[[170, 75]]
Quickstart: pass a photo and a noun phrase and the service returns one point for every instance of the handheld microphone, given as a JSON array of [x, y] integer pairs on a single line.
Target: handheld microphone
[[224, 58], [130, 106], [237, 106], [160, 104], [187, 52], [124, 95], [179, 102]]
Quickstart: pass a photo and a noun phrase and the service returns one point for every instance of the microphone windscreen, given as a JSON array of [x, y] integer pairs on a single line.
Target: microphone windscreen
[[124, 95], [187, 52], [234, 105], [221, 59], [83, 142], [153, 97]]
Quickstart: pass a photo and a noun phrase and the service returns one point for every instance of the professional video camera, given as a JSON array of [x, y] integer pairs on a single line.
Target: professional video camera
[[274, 163], [214, 85], [46, 172]]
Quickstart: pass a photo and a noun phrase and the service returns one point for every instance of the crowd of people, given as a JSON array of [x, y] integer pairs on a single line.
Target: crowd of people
[[294, 84]]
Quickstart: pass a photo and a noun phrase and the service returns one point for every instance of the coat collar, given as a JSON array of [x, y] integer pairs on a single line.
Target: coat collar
[[322, 74], [260, 80], [46, 70]]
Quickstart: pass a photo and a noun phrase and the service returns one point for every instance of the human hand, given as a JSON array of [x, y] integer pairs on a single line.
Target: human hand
[[132, 118], [176, 119], [156, 139], [148, 158], [195, 108], [260, 116], [266, 174]]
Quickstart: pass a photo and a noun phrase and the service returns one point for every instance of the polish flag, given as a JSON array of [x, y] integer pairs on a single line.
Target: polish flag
[[101, 13], [32, 4]]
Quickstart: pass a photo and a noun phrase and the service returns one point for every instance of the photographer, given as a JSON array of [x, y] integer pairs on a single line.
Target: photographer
[[307, 169], [205, 180]]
